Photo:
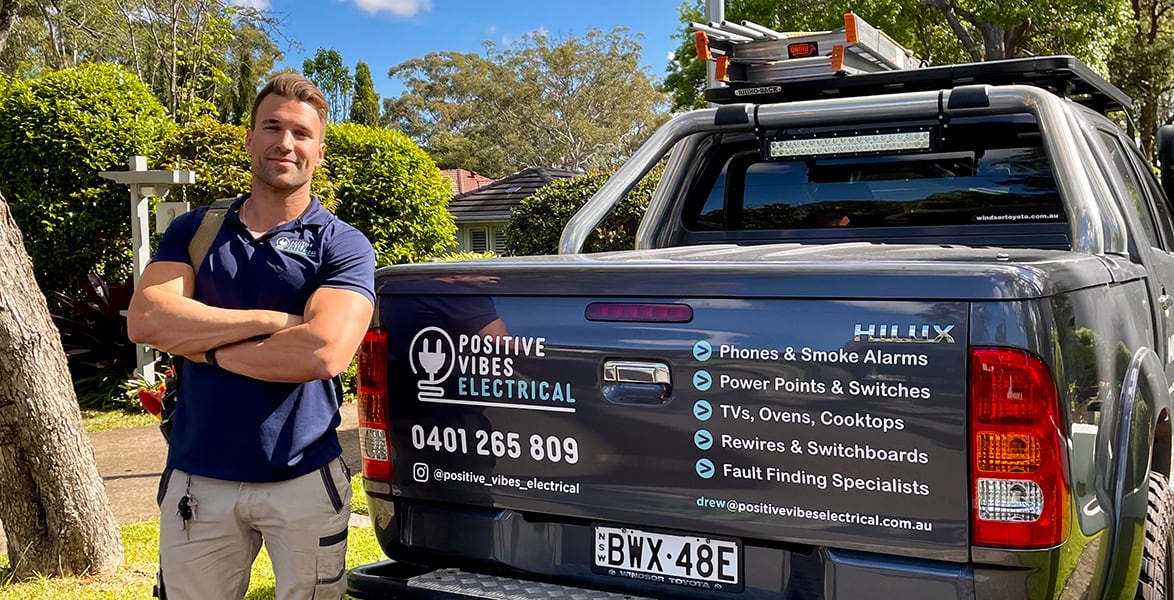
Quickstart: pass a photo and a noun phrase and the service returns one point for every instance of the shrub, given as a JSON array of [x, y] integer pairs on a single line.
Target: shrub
[[536, 225], [57, 132], [216, 152], [93, 334], [389, 189]]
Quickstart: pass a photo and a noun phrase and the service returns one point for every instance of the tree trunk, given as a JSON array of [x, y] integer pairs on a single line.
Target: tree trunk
[[52, 500], [964, 37]]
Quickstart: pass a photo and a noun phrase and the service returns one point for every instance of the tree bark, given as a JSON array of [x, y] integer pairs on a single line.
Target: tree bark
[[53, 503], [7, 20]]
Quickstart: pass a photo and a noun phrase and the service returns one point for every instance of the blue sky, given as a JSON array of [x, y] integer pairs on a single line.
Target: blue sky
[[384, 33]]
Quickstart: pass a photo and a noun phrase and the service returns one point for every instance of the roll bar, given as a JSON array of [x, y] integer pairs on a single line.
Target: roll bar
[[1097, 226]]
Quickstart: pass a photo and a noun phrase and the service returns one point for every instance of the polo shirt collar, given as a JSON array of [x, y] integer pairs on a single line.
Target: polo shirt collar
[[314, 217]]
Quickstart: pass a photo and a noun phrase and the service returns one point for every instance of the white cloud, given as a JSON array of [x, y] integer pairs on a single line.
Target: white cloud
[[257, 4], [399, 8]]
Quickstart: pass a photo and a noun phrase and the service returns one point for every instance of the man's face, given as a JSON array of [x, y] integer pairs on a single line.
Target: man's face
[[285, 143]]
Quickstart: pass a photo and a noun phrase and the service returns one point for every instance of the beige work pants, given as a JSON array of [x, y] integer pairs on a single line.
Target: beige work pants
[[303, 522]]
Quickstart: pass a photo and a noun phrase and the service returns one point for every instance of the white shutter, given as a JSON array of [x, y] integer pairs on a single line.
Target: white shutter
[[478, 240], [499, 240]]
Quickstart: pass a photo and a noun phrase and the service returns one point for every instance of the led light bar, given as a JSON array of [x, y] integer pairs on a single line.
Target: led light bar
[[856, 144], [1009, 500]]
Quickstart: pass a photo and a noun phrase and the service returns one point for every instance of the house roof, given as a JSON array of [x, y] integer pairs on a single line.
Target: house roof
[[497, 199], [465, 181]]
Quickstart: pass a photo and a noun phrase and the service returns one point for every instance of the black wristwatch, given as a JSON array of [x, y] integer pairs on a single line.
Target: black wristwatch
[[210, 357]]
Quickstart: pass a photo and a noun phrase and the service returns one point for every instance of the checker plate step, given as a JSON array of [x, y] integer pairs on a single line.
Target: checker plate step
[[454, 581]]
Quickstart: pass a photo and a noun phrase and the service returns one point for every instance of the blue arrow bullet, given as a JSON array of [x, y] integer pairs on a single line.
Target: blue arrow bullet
[[702, 380], [705, 468], [703, 439], [702, 410], [702, 351]]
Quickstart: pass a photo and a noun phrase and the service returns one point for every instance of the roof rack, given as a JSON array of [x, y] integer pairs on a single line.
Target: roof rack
[[749, 52], [757, 64], [1064, 76]]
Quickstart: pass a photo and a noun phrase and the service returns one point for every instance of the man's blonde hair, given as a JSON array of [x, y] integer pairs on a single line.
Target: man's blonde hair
[[295, 87]]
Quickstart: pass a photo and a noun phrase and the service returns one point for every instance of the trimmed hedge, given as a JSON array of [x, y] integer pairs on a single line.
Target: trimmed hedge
[[392, 191], [536, 225], [57, 132]]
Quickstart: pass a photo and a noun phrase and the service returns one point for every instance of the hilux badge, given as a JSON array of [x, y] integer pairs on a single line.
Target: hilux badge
[[918, 334]]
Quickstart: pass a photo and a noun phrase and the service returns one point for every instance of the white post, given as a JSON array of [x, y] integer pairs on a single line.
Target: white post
[[139, 209], [145, 184]]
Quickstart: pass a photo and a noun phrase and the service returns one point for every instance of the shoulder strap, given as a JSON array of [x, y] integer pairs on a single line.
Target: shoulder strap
[[209, 227]]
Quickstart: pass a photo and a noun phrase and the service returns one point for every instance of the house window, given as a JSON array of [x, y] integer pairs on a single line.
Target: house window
[[487, 238]]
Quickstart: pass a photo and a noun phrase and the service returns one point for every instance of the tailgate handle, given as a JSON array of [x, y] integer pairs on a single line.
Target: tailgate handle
[[636, 382]]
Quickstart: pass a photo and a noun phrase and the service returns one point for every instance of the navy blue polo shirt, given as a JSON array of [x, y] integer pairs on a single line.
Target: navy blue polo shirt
[[233, 427]]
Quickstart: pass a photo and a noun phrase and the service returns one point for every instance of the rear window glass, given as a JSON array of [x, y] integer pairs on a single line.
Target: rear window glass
[[982, 174]]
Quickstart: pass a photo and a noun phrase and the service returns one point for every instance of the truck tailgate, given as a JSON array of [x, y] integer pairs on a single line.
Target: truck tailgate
[[668, 420]]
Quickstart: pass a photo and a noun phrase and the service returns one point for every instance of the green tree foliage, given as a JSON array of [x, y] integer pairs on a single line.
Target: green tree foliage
[[938, 31], [536, 225], [365, 108], [187, 51], [992, 30], [56, 133], [251, 56], [1142, 65], [543, 101], [333, 77], [390, 190]]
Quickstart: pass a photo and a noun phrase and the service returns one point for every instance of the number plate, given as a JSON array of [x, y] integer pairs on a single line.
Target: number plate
[[678, 559]]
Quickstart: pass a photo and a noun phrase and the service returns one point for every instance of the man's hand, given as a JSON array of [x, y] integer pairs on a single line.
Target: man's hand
[[164, 315]]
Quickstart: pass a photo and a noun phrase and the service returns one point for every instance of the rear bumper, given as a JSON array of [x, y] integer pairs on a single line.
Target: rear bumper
[[519, 552], [393, 580]]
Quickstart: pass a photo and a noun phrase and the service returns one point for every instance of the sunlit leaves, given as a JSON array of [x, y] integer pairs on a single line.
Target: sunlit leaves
[[389, 189], [56, 133], [328, 72], [545, 100]]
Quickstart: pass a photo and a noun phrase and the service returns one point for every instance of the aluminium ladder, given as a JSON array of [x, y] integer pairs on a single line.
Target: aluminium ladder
[[751, 53]]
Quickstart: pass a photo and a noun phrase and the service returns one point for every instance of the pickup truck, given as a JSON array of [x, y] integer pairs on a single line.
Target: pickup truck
[[904, 333]]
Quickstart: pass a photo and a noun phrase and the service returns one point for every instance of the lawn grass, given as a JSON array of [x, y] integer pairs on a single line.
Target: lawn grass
[[135, 578], [106, 420], [358, 496]]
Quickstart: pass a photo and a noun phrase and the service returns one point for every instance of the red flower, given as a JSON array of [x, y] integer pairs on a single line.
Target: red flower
[[151, 400]]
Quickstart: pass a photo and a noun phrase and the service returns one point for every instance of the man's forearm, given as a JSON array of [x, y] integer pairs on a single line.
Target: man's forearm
[[319, 348], [180, 325], [294, 355]]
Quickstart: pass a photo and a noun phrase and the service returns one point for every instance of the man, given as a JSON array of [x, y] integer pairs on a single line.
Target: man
[[264, 324]]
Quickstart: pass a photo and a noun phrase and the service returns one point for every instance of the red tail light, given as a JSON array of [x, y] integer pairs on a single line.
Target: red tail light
[[639, 312], [374, 428], [1017, 470]]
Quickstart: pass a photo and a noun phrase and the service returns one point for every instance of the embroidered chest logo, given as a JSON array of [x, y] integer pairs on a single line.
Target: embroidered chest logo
[[296, 246]]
